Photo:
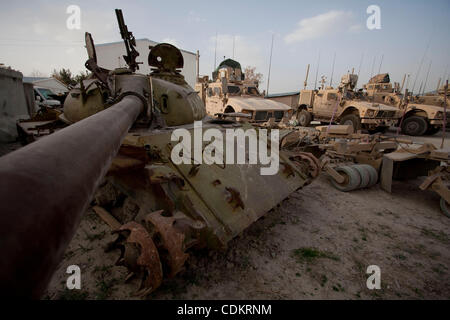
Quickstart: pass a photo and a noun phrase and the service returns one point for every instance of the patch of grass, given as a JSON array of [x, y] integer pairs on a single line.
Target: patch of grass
[[323, 280], [105, 288], [103, 268], [338, 288], [439, 269], [310, 254], [95, 236], [83, 248], [399, 256], [440, 236], [74, 294]]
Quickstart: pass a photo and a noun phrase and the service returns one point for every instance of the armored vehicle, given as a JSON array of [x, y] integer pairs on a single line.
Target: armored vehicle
[[421, 114], [160, 208], [344, 106], [231, 94]]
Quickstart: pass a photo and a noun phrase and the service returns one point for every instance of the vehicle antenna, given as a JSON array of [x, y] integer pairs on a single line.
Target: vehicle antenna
[[234, 37], [426, 79], [305, 83], [381, 62], [215, 54], [444, 125], [420, 64], [317, 72], [403, 82], [360, 63], [270, 65], [332, 70], [439, 83], [373, 65]]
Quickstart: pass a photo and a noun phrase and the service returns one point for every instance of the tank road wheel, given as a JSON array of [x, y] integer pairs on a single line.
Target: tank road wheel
[[352, 179], [364, 175], [140, 255], [444, 207], [351, 120], [432, 130], [304, 118], [414, 126]]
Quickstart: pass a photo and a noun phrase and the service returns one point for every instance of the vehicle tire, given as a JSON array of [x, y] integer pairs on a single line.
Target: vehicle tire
[[372, 173], [304, 118], [352, 180], [444, 207], [432, 130], [351, 119], [414, 126], [364, 174]]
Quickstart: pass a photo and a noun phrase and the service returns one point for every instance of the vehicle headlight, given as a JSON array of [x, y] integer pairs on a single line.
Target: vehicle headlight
[[370, 113], [249, 112]]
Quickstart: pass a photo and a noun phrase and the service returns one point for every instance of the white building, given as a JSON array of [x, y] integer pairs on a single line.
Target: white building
[[110, 56], [51, 83]]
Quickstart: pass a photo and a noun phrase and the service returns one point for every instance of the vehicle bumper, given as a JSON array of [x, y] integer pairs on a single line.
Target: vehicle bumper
[[379, 121], [440, 122]]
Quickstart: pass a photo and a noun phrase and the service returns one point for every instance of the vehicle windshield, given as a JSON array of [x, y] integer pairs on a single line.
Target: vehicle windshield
[[233, 89], [48, 94], [253, 91]]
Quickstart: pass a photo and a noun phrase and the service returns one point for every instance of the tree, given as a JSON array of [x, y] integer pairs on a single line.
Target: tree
[[82, 76], [252, 75], [66, 76]]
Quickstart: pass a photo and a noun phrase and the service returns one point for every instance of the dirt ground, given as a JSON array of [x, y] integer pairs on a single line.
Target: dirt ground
[[317, 244]]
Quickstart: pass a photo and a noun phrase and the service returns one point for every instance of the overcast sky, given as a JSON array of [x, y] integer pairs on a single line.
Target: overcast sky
[[34, 36]]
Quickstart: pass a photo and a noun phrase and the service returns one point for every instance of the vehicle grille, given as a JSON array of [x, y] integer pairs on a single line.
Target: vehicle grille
[[260, 115], [385, 114], [278, 115]]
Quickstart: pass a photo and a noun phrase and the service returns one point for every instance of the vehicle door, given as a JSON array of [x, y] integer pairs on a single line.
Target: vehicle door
[[325, 103]]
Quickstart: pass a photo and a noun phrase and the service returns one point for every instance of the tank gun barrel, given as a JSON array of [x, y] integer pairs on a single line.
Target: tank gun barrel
[[45, 188]]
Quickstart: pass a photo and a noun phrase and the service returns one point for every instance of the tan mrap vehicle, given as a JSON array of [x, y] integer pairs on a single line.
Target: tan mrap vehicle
[[421, 115], [344, 106], [230, 94]]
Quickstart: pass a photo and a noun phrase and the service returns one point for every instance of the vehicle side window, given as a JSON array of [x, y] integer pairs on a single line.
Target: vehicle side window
[[331, 96], [217, 91], [210, 92]]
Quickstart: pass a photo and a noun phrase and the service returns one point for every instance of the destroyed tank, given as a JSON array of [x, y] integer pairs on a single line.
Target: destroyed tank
[[161, 209], [421, 115], [230, 94]]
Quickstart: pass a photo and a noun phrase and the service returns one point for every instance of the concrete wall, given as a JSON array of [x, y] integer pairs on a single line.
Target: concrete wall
[[13, 105], [110, 56]]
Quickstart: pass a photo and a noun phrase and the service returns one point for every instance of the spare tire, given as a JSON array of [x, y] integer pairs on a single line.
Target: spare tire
[[364, 173], [352, 179]]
